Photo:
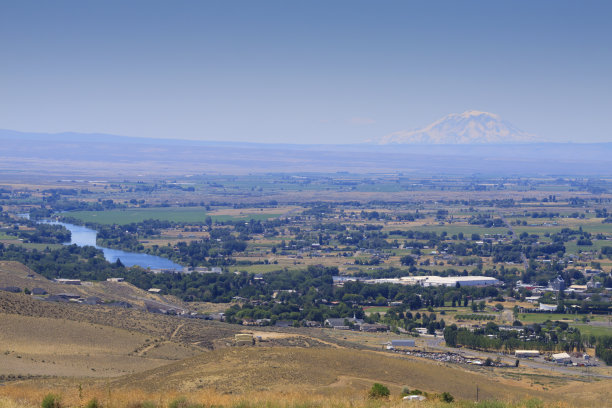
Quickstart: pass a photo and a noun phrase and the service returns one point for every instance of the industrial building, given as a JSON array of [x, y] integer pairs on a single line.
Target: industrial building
[[440, 281]]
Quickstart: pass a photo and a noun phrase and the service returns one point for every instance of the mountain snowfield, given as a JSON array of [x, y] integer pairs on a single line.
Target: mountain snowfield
[[471, 127]]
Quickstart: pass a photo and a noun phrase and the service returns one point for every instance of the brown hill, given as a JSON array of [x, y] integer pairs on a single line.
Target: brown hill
[[320, 370], [18, 275]]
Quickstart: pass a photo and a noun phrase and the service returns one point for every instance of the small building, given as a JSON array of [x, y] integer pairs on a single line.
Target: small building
[[243, 339], [115, 279], [403, 343], [372, 328], [526, 353], [68, 281], [155, 290], [548, 308], [283, 323], [561, 358]]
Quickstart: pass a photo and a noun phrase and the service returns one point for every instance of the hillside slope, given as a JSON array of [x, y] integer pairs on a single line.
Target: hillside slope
[[324, 370]]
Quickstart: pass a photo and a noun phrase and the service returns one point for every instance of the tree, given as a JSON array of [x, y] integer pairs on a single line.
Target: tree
[[379, 391], [407, 260], [447, 397]]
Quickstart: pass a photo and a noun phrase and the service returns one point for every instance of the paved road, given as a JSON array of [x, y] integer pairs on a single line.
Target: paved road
[[435, 344]]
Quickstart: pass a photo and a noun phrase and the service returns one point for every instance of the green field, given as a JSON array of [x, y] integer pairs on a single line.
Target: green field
[[594, 330], [3, 235], [180, 214], [451, 230], [572, 247], [542, 317], [262, 268], [377, 309]]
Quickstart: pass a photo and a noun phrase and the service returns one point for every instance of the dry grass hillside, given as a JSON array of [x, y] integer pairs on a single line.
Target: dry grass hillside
[[16, 274], [318, 370], [130, 355]]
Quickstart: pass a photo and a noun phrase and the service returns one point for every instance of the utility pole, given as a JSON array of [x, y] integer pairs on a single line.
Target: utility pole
[[476, 392]]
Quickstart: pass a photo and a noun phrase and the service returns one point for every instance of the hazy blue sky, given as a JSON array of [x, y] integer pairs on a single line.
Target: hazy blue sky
[[303, 72]]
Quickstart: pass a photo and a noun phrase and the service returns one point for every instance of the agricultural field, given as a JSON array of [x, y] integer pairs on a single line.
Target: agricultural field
[[193, 215]]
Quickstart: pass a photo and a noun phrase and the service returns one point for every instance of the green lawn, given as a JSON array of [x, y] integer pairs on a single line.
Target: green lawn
[[180, 214], [377, 309], [594, 330]]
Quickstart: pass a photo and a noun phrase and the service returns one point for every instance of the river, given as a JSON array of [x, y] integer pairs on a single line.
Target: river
[[83, 236]]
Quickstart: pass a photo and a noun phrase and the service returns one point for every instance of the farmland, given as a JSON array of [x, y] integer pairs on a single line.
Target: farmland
[[189, 215]]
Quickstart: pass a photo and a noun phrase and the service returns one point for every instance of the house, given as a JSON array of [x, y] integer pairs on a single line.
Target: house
[[64, 297], [342, 323], [115, 279], [125, 305], [68, 281], [371, 328], [248, 322], [155, 290], [557, 284]]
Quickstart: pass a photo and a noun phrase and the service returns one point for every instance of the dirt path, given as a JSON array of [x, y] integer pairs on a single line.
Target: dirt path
[[176, 330]]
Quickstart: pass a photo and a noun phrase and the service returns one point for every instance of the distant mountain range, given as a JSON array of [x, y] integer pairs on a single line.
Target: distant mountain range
[[471, 127], [71, 155]]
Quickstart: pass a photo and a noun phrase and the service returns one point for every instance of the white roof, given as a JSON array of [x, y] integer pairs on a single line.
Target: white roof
[[560, 356]]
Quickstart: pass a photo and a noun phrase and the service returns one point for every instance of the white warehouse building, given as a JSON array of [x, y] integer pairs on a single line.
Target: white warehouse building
[[441, 281]]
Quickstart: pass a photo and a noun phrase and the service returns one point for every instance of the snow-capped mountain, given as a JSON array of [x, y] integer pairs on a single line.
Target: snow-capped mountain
[[471, 127]]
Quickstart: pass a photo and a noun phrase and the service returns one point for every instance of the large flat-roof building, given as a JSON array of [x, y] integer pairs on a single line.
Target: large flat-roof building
[[441, 281]]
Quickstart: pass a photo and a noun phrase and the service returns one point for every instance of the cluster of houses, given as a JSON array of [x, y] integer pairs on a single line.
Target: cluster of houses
[[341, 323], [352, 323], [558, 284]]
